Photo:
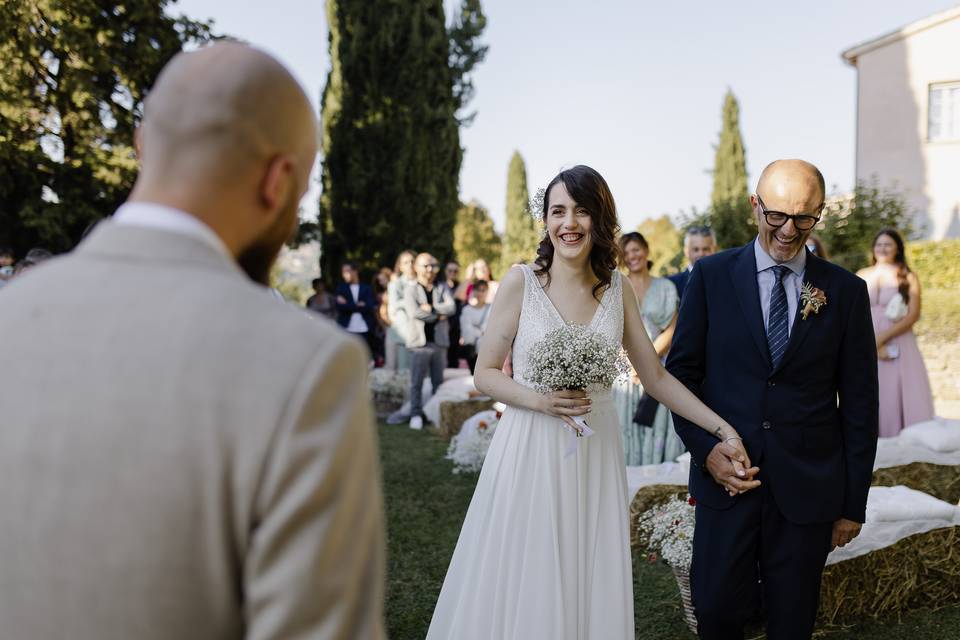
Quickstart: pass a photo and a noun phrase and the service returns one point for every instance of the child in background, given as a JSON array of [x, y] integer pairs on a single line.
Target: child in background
[[473, 321]]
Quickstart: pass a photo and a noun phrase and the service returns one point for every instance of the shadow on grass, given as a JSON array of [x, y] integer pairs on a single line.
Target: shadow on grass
[[426, 504]]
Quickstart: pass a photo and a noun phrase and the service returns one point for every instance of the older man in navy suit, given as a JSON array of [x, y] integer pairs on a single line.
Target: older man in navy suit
[[781, 345]]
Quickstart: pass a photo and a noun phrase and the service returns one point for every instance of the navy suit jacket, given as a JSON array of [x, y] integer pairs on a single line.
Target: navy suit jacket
[[679, 280], [344, 311], [811, 423]]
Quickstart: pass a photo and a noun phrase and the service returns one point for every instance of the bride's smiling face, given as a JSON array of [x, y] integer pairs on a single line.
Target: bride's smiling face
[[568, 225]]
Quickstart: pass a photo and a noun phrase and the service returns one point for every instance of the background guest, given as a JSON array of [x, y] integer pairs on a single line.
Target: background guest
[[473, 322], [479, 270], [429, 304], [34, 257], [321, 301], [380, 284], [356, 306], [894, 289], [397, 358], [452, 275], [816, 247], [7, 261], [648, 435], [697, 243]]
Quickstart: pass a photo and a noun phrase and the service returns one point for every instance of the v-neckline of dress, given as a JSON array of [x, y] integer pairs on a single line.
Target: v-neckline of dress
[[556, 312]]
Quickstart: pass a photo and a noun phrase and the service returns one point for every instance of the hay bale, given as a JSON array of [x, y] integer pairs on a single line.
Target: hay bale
[[454, 413], [648, 497], [940, 481], [919, 572]]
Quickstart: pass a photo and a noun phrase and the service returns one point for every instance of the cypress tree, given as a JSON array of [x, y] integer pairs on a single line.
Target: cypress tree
[[731, 215], [391, 139], [522, 231]]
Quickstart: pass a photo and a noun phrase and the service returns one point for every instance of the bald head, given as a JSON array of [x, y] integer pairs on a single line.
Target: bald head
[[229, 137], [793, 179], [221, 111], [792, 187]]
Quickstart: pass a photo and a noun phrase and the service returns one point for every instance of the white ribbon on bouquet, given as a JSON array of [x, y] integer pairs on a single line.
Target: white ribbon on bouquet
[[574, 438]]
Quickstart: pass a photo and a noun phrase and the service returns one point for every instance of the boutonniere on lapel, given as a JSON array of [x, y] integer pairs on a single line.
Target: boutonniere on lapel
[[812, 299]]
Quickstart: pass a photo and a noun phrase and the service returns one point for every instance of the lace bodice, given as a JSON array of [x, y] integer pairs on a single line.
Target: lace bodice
[[538, 317]]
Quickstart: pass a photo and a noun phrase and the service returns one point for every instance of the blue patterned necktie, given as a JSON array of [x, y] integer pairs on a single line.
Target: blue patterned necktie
[[778, 333]]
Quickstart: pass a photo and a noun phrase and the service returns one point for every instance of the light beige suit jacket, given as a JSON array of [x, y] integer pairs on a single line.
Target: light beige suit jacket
[[181, 455]]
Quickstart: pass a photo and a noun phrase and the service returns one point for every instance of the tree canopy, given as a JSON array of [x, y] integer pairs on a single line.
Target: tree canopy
[[72, 84]]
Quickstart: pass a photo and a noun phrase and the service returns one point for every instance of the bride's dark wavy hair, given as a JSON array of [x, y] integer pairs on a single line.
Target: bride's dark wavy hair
[[590, 191]]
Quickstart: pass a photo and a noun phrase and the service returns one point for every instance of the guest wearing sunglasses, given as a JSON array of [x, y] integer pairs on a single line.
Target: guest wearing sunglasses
[[429, 304]]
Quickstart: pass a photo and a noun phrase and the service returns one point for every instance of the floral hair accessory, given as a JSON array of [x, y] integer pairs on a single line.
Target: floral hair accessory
[[535, 206]]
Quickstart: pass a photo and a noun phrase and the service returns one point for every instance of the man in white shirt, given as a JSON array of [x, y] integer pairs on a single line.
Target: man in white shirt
[[356, 305]]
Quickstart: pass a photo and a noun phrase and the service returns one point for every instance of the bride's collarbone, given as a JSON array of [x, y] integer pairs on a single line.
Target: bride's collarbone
[[573, 303]]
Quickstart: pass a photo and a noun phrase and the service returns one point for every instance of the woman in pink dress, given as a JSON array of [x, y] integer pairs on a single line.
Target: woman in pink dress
[[905, 396]]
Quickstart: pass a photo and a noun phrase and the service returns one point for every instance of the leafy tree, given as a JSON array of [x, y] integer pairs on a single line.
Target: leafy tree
[[72, 84], [474, 236], [850, 224], [522, 234], [666, 244], [391, 138]]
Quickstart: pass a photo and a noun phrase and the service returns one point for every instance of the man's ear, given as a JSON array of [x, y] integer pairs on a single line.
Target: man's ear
[[277, 181]]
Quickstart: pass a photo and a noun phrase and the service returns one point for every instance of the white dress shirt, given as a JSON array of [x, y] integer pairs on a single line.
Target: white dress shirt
[[792, 281], [158, 216], [357, 323]]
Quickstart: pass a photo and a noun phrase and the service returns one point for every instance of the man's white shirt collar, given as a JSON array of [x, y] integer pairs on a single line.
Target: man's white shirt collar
[[797, 264], [157, 216]]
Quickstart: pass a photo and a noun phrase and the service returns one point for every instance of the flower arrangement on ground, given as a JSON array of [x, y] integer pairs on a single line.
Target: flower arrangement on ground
[[667, 531], [468, 449], [389, 389]]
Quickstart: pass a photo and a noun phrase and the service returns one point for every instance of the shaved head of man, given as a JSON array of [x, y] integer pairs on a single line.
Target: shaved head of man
[[788, 202], [229, 136]]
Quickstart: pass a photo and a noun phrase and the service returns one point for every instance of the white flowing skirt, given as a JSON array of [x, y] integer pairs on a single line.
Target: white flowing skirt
[[544, 552]]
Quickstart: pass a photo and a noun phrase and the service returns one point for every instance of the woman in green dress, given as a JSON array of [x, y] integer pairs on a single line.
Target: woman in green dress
[[654, 442]]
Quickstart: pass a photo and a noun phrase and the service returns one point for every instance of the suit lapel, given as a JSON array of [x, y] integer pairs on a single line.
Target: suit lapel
[[814, 275], [744, 275]]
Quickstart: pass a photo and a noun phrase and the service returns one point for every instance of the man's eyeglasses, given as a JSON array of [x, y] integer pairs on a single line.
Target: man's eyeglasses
[[431, 265], [803, 222]]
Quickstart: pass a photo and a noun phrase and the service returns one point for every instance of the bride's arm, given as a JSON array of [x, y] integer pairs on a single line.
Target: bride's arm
[[663, 386], [494, 346]]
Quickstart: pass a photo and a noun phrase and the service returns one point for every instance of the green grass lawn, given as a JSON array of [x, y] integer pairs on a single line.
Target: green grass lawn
[[426, 504]]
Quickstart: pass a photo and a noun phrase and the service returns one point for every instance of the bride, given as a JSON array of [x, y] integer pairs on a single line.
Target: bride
[[544, 552]]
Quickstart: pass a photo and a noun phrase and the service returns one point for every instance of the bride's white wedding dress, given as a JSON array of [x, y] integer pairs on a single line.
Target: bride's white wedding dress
[[544, 552]]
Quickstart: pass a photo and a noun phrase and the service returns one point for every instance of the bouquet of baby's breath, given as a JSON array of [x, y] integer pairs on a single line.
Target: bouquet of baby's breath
[[575, 357]]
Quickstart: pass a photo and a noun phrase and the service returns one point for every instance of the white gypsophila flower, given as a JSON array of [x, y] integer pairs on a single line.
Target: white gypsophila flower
[[389, 384], [574, 357], [668, 530], [468, 450]]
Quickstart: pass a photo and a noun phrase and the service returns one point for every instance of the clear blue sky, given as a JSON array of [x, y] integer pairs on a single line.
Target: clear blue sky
[[630, 87]]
